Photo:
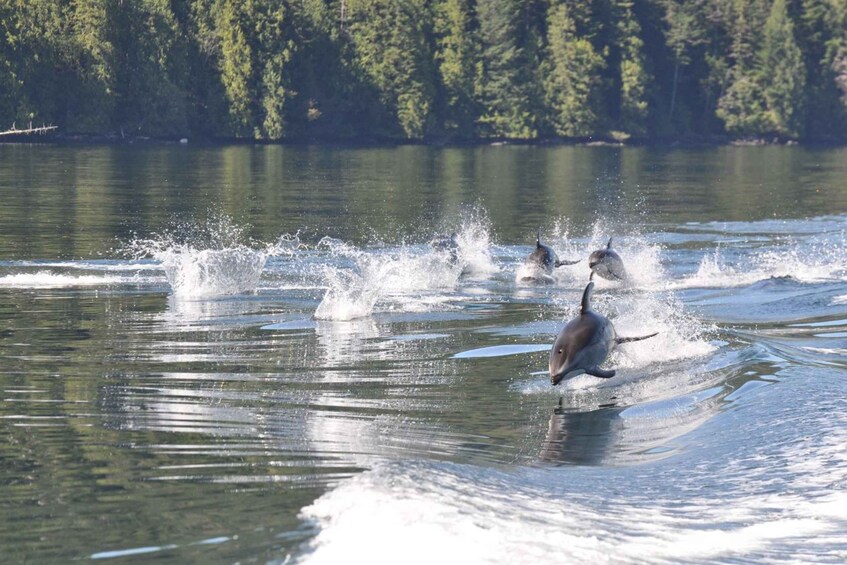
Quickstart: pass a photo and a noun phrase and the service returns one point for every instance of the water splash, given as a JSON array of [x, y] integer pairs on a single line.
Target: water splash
[[399, 277], [211, 258], [715, 272], [475, 239], [349, 295], [530, 273], [407, 278], [387, 514], [560, 240], [809, 263], [681, 335], [642, 259]]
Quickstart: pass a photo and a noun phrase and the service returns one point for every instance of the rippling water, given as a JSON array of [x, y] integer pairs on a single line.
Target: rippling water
[[255, 354]]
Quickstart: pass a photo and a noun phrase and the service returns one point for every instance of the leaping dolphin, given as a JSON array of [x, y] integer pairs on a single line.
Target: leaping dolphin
[[544, 259], [447, 244], [584, 343], [607, 263]]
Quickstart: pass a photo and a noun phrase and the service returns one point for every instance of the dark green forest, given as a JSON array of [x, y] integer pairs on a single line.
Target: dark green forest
[[427, 69]]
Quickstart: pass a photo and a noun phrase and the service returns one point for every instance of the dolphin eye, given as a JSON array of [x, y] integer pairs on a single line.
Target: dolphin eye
[[560, 351]]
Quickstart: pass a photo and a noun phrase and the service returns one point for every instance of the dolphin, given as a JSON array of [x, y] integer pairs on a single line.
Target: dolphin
[[607, 264], [447, 244], [584, 343], [544, 259]]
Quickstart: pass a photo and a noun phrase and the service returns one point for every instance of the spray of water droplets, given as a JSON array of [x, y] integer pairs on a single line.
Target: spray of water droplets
[[211, 258]]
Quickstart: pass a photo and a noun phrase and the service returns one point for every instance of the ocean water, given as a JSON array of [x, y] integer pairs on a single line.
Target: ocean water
[[255, 354]]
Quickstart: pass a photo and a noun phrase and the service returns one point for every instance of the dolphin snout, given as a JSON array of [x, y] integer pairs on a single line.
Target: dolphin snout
[[557, 378]]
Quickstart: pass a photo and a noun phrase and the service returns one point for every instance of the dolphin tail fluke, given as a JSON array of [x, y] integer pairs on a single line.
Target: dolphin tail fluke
[[598, 372], [586, 298], [562, 263], [620, 340]]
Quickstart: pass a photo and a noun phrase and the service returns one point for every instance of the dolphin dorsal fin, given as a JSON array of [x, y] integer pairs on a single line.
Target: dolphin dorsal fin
[[538, 237], [609, 245], [586, 298]]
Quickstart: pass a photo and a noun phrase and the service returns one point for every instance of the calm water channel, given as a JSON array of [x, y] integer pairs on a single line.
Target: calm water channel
[[253, 354]]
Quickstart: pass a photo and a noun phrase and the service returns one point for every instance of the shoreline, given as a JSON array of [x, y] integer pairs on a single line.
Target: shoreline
[[682, 142]]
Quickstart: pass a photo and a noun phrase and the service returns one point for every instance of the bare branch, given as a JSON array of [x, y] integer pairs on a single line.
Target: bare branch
[[30, 130]]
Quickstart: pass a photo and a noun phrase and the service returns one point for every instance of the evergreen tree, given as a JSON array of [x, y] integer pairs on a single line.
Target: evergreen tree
[[210, 111], [90, 103], [782, 72], [274, 50], [150, 75], [823, 41], [634, 78], [10, 85], [686, 29], [235, 59], [391, 50], [455, 55], [505, 87], [276, 69], [253, 50], [327, 96], [742, 107], [836, 60], [573, 84], [42, 61]]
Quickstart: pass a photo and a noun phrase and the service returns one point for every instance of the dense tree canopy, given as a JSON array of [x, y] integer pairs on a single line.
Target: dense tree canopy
[[427, 69]]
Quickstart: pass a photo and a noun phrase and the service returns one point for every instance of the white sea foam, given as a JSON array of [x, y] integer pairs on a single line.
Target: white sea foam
[[100, 266], [714, 272], [50, 279], [384, 517]]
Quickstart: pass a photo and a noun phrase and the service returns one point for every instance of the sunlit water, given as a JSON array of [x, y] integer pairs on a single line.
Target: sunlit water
[[255, 355]]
